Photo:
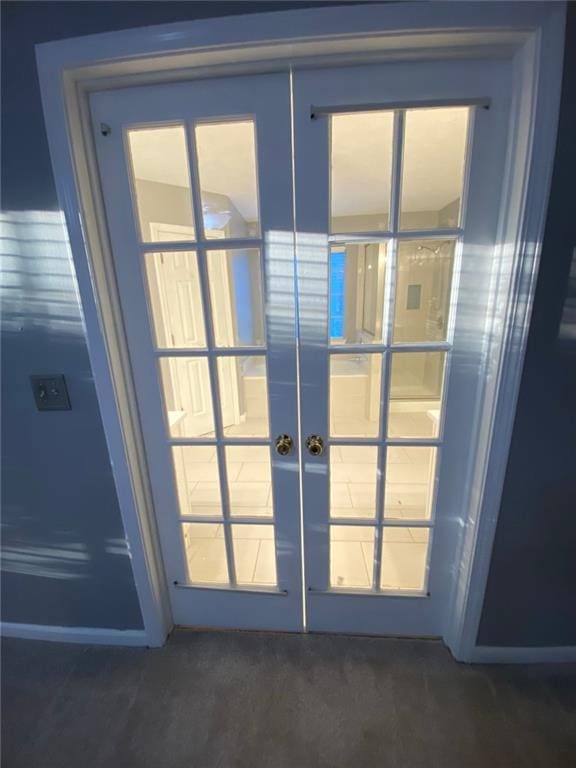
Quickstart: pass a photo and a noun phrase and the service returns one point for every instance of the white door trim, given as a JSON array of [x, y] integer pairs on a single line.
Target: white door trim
[[547, 654], [532, 34], [87, 635]]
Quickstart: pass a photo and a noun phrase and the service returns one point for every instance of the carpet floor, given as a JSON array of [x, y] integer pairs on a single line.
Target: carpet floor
[[258, 700]]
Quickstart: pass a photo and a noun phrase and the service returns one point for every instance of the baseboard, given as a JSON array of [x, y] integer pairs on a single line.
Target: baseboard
[[87, 635], [489, 654]]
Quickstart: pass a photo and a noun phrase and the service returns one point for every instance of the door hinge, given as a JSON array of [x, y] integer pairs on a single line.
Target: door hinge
[[105, 129]]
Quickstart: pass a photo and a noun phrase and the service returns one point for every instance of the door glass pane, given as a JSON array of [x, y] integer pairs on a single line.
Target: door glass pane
[[409, 487], [423, 285], [416, 384], [357, 273], [351, 556], [205, 552], [249, 480], [236, 297], [187, 396], [244, 396], [228, 186], [175, 300], [197, 480], [355, 395], [433, 167], [161, 183], [254, 554], [361, 163], [353, 472], [404, 558]]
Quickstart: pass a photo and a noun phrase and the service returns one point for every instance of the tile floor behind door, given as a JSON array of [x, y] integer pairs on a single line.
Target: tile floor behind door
[[353, 484]]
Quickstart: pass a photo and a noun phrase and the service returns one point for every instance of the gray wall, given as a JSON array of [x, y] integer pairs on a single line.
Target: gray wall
[[531, 595], [65, 556]]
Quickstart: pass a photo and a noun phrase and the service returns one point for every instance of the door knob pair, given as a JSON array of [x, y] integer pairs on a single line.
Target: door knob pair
[[285, 444]]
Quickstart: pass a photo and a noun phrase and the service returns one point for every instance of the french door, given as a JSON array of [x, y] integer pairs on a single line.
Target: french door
[[197, 184], [396, 180], [295, 264]]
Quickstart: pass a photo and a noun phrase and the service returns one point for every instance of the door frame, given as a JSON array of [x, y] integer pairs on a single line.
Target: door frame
[[530, 34]]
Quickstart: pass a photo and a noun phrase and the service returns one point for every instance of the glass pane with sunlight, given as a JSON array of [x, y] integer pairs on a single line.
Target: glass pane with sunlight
[[351, 556], [423, 290], [416, 387], [433, 167], [249, 472], [228, 180], [353, 473], [174, 299], [254, 555], [243, 385], [205, 551], [404, 558], [410, 480], [197, 480], [187, 396], [357, 284], [236, 297], [360, 171], [161, 183], [355, 382]]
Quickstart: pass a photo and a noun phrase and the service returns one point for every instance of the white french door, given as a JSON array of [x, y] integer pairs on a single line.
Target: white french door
[[397, 175], [197, 184], [305, 368]]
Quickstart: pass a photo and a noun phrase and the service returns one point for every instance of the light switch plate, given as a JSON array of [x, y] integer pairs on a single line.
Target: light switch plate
[[50, 392]]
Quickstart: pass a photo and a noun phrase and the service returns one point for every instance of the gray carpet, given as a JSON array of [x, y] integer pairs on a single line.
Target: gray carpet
[[256, 700]]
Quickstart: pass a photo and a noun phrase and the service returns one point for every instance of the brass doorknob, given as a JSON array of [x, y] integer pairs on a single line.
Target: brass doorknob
[[315, 445], [284, 444]]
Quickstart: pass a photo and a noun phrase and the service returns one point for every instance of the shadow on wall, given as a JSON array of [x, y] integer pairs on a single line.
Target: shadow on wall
[[64, 552]]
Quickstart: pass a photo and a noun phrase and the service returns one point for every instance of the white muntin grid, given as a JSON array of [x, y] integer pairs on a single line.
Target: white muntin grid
[[201, 246], [391, 238]]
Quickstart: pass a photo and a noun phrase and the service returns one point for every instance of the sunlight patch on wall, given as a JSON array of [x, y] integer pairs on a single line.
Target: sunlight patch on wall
[[38, 285], [117, 547], [567, 331], [65, 561]]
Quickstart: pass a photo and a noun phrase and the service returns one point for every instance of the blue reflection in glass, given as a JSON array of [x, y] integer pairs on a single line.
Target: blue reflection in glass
[[243, 298], [337, 281]]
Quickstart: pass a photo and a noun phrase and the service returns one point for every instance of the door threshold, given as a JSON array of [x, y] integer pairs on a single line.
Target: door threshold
[[180, 628]]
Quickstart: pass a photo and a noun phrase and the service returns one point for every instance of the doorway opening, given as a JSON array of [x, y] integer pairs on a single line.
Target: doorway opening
[[414, 397]]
